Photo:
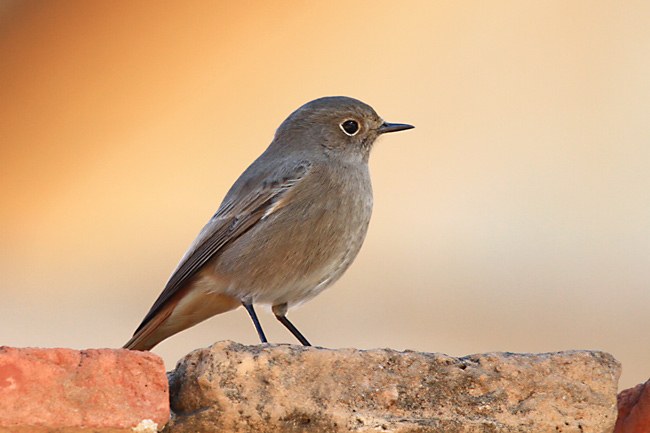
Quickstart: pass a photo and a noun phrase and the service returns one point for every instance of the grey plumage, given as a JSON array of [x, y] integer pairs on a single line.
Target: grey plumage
[[288, 227]]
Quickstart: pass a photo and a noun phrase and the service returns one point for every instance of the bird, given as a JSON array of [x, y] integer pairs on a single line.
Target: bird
[[287, 229]]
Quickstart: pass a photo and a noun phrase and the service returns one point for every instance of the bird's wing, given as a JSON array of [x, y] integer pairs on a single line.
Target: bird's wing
[[234, 218]]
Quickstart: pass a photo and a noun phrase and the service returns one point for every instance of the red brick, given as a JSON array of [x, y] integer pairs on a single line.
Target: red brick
[[634, 410], [80, 390]]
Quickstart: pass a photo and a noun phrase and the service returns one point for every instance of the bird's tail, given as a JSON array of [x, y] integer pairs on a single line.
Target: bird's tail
[[179, 313], [147, 336]]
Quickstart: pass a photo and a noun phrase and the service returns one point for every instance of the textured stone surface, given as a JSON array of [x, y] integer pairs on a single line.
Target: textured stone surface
[[65, 390], [634, 410], [281, 388]]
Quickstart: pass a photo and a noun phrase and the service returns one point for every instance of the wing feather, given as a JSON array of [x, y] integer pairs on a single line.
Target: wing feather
[[233, 219]]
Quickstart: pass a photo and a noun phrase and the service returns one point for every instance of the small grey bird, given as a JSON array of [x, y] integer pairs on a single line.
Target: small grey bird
[[288, 228]]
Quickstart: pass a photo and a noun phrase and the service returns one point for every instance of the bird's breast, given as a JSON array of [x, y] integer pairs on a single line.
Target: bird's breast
[[304, 246]]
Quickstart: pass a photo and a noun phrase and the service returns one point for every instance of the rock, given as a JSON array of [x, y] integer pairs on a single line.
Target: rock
[[281, 388], [634, 410], [65, 390]]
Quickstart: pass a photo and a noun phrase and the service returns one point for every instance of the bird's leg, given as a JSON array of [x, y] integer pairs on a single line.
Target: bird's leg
[[251, 311], [280, 312]]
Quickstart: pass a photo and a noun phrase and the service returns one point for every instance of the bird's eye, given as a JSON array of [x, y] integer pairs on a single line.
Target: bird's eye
[[350, 127]]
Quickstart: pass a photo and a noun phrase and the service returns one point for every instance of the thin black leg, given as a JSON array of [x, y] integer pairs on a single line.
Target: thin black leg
[[283, 319], [249, 307]]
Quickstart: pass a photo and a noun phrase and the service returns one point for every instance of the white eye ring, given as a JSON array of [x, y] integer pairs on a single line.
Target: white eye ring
[[350, 127]]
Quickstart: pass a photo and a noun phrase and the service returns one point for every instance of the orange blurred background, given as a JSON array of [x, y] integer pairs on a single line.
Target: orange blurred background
[[515, 217]]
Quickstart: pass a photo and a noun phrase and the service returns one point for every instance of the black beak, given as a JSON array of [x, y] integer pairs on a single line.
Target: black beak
[[393, 127]]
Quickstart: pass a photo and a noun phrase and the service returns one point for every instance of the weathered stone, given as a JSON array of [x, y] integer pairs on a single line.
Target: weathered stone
[[280, 388], [65, 390], [634, 410]]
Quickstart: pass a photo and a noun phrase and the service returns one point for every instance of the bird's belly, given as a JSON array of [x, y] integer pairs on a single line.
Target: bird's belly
[[310, 253]]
